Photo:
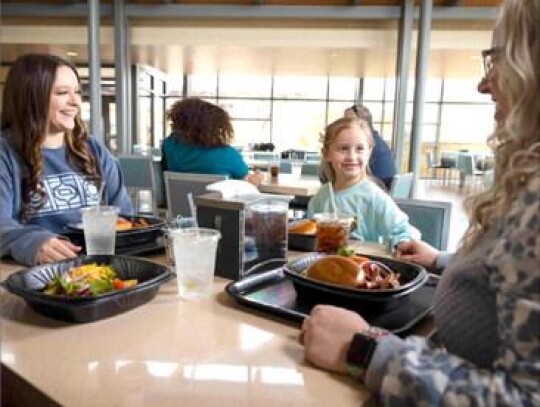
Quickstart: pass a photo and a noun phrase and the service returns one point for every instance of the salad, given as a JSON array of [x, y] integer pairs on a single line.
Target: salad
[[86, 280]]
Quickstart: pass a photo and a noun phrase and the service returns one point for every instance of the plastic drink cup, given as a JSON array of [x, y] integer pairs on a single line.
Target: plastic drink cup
[[296, 169], [179, 222], [99, 224], [332, 233], [273, 169], [195, 258]]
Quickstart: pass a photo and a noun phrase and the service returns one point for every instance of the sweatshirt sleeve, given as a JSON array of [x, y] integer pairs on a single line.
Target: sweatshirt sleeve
[[411, 372], [18, 240]]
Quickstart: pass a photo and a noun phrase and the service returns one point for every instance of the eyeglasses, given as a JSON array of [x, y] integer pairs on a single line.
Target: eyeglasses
[[488, 59]]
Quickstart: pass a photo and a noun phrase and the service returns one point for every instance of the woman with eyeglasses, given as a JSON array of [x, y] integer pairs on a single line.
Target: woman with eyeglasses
[[487, 304]]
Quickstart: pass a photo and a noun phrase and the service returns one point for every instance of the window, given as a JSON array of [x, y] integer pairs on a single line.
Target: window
[[300, 87]]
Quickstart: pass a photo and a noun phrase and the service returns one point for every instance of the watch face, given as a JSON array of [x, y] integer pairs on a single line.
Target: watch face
[[361, 350]]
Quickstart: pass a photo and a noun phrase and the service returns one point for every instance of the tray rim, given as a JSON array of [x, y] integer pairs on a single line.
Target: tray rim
[[160, 224], [237, 290]]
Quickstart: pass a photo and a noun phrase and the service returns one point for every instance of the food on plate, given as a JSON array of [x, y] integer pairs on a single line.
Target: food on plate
[[334, 269], [303, 227], [125, 224], [353, 271], [87, 280]]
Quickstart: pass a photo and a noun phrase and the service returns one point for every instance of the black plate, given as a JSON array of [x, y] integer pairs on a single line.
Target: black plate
[[273, 293], [124, 238], [29, 283], [303, 243], [412, 276]]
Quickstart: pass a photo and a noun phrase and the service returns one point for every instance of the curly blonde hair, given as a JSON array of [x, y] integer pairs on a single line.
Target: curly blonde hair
[[516, 142]]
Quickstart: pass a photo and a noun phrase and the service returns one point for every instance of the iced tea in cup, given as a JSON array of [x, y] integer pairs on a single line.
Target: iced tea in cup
[[332, 232], [195, 259], [99, 224]]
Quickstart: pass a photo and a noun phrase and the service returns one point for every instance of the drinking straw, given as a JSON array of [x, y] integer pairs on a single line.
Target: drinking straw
[[192, 209], [100, 195], [333, 201]]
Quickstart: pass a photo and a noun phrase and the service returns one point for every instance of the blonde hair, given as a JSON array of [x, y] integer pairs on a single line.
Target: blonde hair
[[516, 142], [326, 172]]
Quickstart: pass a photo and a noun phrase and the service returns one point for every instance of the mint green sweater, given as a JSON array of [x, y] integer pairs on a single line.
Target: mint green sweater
[[377, 215]]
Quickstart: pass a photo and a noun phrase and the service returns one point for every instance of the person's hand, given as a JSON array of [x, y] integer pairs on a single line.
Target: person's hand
[[56, 249], [327, 334], [418, 252], [255, 178]]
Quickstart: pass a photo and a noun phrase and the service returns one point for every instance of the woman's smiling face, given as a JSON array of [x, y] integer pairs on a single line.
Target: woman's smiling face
[[65, 101]]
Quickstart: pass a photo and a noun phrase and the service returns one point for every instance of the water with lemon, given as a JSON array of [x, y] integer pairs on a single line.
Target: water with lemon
[[195, 259]]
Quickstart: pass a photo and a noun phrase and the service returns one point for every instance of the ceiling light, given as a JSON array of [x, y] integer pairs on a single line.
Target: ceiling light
[[71, 54]]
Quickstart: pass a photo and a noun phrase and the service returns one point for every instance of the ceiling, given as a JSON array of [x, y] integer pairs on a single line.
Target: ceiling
[[259, 37]]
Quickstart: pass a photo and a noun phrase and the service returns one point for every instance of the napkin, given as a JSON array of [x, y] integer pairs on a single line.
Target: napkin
[[231, 188]]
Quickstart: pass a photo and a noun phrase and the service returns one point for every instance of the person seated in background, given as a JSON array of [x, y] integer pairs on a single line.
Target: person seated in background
[[487, 303], [50, 167], [347, 144], [200, 142], [381, 162]]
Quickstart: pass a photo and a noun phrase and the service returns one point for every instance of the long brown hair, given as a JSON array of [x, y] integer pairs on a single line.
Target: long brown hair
[[516, 142], [25, 112], [196, 121]]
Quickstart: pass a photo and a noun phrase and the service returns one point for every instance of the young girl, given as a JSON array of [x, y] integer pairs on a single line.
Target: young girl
[[347, 146], [49, 166]]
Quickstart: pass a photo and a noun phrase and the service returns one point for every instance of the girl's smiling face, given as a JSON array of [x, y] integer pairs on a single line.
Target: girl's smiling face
[[348, 155], [65, 101]]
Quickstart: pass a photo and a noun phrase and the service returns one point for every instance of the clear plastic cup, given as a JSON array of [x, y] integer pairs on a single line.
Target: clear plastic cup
[[99, 224], [332, 232], [180, 222], [195, 258]]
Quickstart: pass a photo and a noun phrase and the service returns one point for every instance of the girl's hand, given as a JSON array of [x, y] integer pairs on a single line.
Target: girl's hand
[[418, 252], [56, 249], [327, 334]]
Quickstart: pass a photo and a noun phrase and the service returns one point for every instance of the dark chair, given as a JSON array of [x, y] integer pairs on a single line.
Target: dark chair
[[431, 218], [402, 185], [179, 184]]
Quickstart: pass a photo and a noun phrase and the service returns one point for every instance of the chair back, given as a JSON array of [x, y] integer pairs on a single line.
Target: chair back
[[466, 163], [402, 185], [310, 169], [142, 173], [266, 156], [179, 184], [285, 167], [431, 218]]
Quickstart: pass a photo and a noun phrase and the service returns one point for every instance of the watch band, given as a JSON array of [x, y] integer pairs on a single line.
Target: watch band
[[361, 350]]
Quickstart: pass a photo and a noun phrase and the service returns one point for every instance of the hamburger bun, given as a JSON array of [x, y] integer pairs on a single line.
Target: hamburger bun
[[123, 224], [303, 227], [334, 269]]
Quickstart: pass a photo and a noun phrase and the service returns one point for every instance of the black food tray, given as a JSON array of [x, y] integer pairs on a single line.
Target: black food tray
[[155, 244], [272, 292]]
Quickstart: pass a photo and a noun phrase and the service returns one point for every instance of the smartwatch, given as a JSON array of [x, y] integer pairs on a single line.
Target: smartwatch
[[361, 350]]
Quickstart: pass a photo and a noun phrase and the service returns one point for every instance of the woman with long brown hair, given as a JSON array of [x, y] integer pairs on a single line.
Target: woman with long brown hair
[[487, 303], [49, 166]]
